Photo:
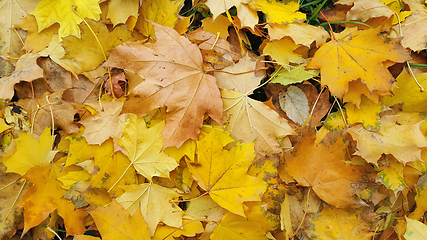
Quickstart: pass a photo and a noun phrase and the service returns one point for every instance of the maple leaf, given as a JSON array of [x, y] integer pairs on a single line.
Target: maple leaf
[[11, 190], [282, 51], [113, 222], [143, 147], [86, 50], [349, 221], [301, 33], [246, 119], [275, 11], [322, 167], [173, 79], [408, 94], [391, 173], [367, 113], [345, 60], [30, 153], [415, 230], [119, 11], [163, 12], [26, 70], [104, 123], [227, 182], [414, 27], [254, 226], [405, 148], [11, 12], [154, 202], [188, 229], [45, 196], [67, 13]]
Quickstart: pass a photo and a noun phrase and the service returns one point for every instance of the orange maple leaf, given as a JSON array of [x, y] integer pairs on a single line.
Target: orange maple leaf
[[357, 55], [322, 167], [174, 78]]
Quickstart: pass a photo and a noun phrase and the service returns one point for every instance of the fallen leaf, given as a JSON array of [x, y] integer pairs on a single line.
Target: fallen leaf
[[104, 123], [30, 153], [154, 203], [322, 167], [11, 190], [113, 222], [246, 119], [293, 75], [189, 229], [67, 13], [217, 26], [363, 10], [282, 51], [119, 10], [85, 50], [408, 94], [163, 12], [391, 173], [178, 83], [405, 148], [205, 208], [414, 27], [48, 194], [26, 69], [227, 182], [334, 223], [420, 198], [415, 230], [294, 102], [347, 61], [278, 12], [367, 113], [300, 33], [254, 226], [36, 41], [143, 147]]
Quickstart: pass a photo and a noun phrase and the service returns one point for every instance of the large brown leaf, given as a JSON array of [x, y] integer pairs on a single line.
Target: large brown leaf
[[174, 78]]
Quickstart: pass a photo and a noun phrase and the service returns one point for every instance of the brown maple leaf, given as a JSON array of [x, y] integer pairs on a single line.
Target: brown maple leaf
[[174, 78]]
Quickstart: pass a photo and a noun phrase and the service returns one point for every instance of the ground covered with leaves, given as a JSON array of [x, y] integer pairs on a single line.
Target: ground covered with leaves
[[180, 119]]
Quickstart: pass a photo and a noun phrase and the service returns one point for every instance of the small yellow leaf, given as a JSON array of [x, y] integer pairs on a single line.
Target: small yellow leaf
[[283, 52], [367, 113], [143, 147], [278, 12], [30, 153], [63, 12]]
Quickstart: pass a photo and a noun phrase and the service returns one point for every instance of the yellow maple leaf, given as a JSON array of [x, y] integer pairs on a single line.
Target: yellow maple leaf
[[283, 52], [278, 12], [391, 173], [163, 12], [335, 223], [301, 33], [45, 196], [227, 182], [408, 94], [85, 50], [358, 55], [143, 147], [255, 225], [63, 12], [154, 202], [246, 119], [188, 229], [30, 152], [367, 113], [113, 222], [36, 41], [120, 10], [406, 148]]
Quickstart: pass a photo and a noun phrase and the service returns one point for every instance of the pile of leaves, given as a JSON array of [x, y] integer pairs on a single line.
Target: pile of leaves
[[257, 119]]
